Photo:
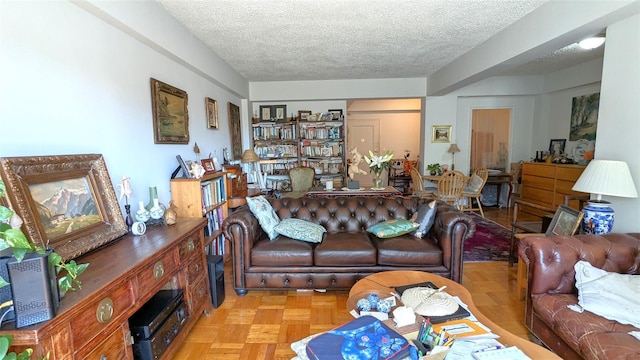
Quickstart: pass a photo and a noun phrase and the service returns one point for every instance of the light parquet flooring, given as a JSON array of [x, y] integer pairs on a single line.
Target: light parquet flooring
[[263, 324]]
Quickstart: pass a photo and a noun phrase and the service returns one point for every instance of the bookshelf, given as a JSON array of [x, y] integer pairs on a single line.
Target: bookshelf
[[282, 146], [322, 148], [205, 197]]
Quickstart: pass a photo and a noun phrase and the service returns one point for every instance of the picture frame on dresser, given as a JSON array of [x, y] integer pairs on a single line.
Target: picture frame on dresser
[[36, 187], [565, 221], [556, 146]]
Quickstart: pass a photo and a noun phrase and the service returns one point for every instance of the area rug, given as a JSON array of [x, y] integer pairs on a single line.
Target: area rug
[[490, 242]]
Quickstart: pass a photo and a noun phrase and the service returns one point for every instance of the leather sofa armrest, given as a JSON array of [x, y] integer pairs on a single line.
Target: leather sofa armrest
[[450, 229], [551, 259]]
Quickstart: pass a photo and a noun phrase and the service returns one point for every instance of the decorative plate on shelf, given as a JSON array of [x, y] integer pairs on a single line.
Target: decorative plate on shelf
[[347, 189], [581, 148]]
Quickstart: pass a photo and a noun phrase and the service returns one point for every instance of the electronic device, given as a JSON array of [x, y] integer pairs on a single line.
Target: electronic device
[[157, 323]]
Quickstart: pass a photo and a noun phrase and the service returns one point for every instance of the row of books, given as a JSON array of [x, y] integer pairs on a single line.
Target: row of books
[[279, 167], [276, 150], [278, 132], [326, 166], [213, 192], [328, 132], [214, 221], [321, 149], [217, 246]]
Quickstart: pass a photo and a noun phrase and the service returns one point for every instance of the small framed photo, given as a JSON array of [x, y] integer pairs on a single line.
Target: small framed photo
[[565, 222], [556, 146], [266, 113], [208, 165], [441, 133], [336, 114], [280, 112], [212, 113], [303, 114]]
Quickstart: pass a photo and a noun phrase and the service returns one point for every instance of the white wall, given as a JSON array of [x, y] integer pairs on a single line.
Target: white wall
[[619, 114], [76, 80]]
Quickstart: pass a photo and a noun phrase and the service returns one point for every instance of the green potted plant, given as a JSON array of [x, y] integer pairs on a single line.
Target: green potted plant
[[13, 238], [434, 169]]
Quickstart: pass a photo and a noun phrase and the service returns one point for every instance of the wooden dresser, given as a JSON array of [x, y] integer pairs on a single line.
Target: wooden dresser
[[547, 184], [92, 323]]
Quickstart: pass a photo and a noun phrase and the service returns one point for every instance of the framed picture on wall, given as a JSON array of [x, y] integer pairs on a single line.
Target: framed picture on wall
[[441, 133], [266, 113], [336, 114], [280, 112], [170, 114], [234, 128], [212, 113]]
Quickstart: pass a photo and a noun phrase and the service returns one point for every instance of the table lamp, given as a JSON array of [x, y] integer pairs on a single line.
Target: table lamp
[[453, 149], [250, 156], [603, 177]]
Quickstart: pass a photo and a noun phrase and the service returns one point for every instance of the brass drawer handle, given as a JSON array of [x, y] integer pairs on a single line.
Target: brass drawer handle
[[197, 267], [104, 310], [158, 270], [191, 245]]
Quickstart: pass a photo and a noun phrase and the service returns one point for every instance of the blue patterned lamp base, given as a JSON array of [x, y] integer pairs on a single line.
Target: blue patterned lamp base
[[598, 218]]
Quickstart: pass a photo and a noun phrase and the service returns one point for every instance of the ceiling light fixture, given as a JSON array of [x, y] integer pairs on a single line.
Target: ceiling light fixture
[[591, 43]]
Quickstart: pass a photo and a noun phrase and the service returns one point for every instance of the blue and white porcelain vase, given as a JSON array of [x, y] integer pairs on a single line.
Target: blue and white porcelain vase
[[142, 214], [598, 218]]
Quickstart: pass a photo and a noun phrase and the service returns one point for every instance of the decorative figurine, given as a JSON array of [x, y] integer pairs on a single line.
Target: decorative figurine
[[196, 170], [125, 190], [171, 214], [356, 159]]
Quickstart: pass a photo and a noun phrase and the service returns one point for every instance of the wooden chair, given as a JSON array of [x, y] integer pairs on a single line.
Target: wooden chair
[[473, 190], [301, 180], [419, 189], [450, 187]]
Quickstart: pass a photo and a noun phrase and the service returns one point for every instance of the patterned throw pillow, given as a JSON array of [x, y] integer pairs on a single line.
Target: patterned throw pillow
[[425, 216], [392, 228], [267, 217], [301, 230]]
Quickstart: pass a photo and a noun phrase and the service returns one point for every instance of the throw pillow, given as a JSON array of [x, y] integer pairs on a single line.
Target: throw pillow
[[611, 295], [392, 228], [425, 217], [301, 230], [474, 185], [267, 217]]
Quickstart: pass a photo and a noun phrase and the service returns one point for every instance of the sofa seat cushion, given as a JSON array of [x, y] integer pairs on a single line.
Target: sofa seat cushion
[[282, 251], [589, 334], [345, 249], [407, 250]]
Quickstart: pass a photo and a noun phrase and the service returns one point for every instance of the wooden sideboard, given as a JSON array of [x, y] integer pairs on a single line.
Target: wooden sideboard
[[128, 272], [547, 184]]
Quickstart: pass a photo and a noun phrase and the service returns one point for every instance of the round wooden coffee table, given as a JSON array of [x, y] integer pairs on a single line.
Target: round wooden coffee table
[[388, 280]]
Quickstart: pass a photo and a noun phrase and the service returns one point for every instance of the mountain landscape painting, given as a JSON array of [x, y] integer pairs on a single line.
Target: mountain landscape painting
[[65, 206]]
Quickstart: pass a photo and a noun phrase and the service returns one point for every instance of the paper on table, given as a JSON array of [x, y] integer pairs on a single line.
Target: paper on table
[[461, 350]]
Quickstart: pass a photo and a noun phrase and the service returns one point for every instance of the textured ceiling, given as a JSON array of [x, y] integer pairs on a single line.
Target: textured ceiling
[[272, 40]]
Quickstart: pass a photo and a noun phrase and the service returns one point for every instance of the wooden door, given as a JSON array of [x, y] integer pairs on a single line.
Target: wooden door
[[365, 135]]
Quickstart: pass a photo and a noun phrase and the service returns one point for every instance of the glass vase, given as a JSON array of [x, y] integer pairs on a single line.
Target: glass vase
[[377, 180]]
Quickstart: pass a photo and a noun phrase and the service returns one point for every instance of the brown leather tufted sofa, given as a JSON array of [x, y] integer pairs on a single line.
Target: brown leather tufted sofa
[[347, 252], [551, 287]]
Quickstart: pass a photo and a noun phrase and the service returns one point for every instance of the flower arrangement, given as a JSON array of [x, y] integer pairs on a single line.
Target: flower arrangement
[[378, 163]]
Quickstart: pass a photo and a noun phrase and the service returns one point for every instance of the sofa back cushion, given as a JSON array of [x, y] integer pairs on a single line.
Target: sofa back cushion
[[346, 214]]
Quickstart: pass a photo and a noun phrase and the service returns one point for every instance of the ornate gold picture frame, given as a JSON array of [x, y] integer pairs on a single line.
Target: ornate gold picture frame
[[170, 114], [236, 134], [66, 202], [212, 113]]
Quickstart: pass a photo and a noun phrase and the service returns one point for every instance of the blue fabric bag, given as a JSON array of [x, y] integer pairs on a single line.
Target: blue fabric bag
[[364, 338]]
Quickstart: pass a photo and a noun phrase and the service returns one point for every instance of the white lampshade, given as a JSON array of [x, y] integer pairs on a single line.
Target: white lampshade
[[606, 177]]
